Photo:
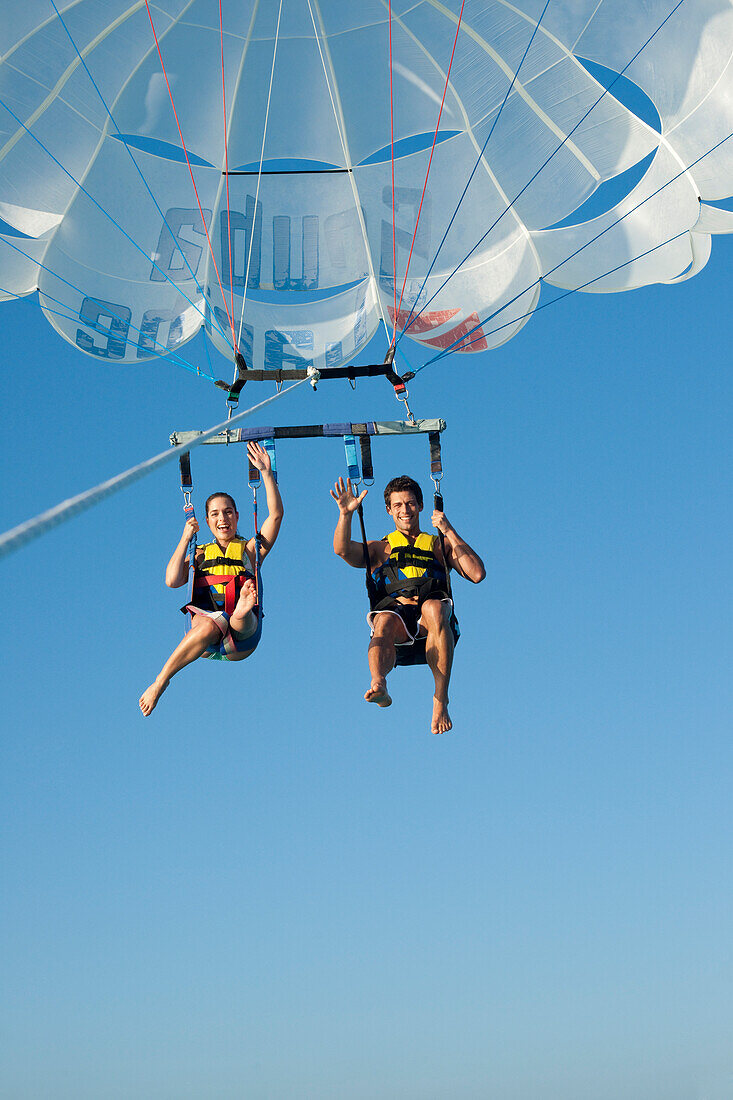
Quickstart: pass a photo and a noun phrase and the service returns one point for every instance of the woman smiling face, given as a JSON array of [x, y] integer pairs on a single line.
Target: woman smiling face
[[222, 518]]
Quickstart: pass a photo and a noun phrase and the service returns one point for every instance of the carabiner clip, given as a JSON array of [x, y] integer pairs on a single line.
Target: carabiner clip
[[408, 410]]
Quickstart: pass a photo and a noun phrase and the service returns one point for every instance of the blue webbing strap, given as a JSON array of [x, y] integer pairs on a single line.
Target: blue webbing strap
[[352, 465], [269, 445], [337, 429], [352, 460], [254, 434]]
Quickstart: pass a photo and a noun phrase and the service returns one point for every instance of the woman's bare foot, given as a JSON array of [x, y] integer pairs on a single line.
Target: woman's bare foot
[[241, 619], [441, 718], [378, 694], [247, 599], [149, 698]]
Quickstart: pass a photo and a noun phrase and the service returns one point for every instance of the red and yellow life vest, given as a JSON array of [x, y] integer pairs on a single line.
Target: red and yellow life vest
[[220, 575]]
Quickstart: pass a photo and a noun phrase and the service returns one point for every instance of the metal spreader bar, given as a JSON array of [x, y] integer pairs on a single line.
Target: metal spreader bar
[[314, 431]]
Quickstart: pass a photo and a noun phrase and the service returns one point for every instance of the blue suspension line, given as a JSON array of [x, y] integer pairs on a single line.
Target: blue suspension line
[[75, 317], [473, 172], [491, 316], [542, 167], [208, 354], [574, 290], [126, 146], [101, 208]]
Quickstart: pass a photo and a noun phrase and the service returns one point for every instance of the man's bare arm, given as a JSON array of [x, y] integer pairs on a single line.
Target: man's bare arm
[[176, 571], [343, 544], [460, 555]]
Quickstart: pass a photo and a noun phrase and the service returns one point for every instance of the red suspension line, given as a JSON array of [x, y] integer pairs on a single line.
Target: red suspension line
[[394, 231], [226, 171], [430, 161], [230, 317]]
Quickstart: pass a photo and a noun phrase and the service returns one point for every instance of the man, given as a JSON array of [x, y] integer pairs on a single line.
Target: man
[[221, 627], [410, 589]]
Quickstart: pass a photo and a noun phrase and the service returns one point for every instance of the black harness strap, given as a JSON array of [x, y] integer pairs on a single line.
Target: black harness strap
[[370, 585], [367, 470], [436, 474], [292, 374], [184, 464], [237, 385]]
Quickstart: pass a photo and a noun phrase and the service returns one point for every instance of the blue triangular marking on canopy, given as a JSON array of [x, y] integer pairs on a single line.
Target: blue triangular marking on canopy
[[289, 164], [163, 149], [611, 191], [608, 194], [8, 230], [405, 147], [626, 91]]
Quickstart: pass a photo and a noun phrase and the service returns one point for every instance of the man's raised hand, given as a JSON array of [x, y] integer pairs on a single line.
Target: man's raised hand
[[345, 497]]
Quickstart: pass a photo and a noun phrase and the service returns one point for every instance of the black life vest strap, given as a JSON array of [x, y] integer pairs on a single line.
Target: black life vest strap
[[210, 562], [411, 556], [421, 587]]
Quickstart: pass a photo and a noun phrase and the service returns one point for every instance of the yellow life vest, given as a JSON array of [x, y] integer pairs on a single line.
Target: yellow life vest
[[411, 569], [423, 542]]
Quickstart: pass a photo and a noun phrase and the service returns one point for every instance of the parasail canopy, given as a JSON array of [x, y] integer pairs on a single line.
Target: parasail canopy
[[292, 176]]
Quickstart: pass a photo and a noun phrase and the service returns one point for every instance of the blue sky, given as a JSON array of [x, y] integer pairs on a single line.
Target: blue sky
[[270, 889]]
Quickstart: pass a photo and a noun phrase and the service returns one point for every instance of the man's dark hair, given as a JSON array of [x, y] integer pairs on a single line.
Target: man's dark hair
[[403, 484], [228, 496]]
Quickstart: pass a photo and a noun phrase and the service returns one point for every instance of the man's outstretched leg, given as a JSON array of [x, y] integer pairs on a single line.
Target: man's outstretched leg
[[388, 629], [439, 654], [201, 635]]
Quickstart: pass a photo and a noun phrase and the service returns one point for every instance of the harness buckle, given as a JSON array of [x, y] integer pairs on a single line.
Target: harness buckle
[[403, 398]]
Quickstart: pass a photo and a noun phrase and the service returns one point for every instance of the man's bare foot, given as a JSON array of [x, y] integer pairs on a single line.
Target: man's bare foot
[[149, 698], [378, 694], [441, 718]]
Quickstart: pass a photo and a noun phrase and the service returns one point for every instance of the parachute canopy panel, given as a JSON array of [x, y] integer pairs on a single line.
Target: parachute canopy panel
[[294, 176]]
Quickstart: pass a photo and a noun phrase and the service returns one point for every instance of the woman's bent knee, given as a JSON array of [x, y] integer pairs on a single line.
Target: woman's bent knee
[[205, 627]]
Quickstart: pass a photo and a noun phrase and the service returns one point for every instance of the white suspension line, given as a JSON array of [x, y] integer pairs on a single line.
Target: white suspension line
[[340, 127], [259, 177]]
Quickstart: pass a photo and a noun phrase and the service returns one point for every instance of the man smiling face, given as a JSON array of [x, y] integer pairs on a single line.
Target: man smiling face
[[405, 510], [222, 518]]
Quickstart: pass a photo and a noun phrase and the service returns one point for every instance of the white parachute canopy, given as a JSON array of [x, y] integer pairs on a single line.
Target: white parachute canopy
[[262, 176]]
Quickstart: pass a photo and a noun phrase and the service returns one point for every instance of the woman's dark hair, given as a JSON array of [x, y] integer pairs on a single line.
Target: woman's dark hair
[[213, 496], [403, 484]]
